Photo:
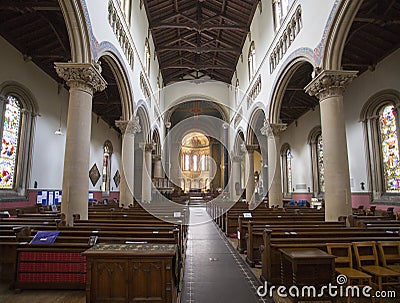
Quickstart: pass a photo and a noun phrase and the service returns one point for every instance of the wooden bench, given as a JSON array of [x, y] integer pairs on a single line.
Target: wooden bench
[[270, 251], [232, 222], [243, 224], [251, 237], [255, 241]]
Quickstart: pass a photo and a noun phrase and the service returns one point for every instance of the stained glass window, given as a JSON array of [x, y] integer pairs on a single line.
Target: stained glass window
[[252, 60], [187, 162], [289, 170], [10, 141], [195, 166], [148, 56], [203, 162], [320, 158], [390, 148]]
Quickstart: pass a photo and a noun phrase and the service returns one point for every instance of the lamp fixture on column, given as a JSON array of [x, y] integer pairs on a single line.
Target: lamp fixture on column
[[58, 131]]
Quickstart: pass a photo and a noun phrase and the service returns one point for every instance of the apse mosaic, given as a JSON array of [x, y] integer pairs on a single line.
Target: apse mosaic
[[10, 140], [390, 148]]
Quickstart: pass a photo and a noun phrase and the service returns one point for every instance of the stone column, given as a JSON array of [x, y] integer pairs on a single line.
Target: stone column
[[328, 87], [250, 180], [167, 151], [128, 129], [226, 156], [236, 187], [158, 170], [264, 176], [146, 172], [273, 131], [84, 80]]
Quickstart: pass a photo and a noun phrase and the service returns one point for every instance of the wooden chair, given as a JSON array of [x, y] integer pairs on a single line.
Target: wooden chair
[[390, 254], [367, 260], [344, 265]]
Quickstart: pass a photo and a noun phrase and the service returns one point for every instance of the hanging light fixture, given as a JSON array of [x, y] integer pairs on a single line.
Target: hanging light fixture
[[58, 131]]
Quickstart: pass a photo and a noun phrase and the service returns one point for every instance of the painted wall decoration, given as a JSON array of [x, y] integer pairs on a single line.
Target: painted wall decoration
[[94, 174]]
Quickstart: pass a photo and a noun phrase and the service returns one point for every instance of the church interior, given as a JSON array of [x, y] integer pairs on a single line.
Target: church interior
[[199, 151]]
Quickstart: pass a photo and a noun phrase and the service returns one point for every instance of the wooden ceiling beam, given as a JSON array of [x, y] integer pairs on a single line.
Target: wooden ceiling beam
[[200, 50], [29, 6], [200, 27], [197, 67]]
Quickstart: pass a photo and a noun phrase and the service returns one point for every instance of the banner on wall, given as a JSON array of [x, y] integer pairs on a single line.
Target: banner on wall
[[54, 197]]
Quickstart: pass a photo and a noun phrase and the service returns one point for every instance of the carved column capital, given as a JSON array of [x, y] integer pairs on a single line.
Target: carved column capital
[[147, 147], [157, 157], [251, 148], [273, 129], [330, 83], [84, 76], [122, 124], [130, 127], [133, 126], [237, 158]]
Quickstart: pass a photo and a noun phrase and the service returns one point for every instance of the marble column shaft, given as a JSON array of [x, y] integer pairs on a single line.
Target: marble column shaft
[[83, 80], [328, 87], [146, 173], [128, 129]]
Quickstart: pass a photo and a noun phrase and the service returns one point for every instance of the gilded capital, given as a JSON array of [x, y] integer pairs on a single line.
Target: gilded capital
[[331, 83], [86, 76]]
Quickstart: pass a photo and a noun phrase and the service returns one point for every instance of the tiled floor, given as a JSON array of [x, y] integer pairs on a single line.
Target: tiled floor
[[214, 272]]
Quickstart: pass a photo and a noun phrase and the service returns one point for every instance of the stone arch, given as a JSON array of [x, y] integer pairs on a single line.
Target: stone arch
[[239, 140], [280, 85], [252, 125], [156, 139], [219, 107], [338, 30], [121, 76], [79, 31], [144, 120]]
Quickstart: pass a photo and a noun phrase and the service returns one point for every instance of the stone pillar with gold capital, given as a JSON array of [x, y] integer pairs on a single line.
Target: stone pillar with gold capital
[[128, 129], [273, 131], [328, 87], [146, 172], [250, 187], [84, 80]]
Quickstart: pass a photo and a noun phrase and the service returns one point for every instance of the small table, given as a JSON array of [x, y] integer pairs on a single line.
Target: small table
[[307, 267]]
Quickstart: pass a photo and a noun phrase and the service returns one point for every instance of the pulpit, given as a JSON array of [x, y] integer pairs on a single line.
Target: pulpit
[[132, 273]]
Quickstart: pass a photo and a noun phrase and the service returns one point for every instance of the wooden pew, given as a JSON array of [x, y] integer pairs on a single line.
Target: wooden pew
[[232, 221], [242, 229], [355, 220], [256, 240], [247, 228], [270, 251]]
